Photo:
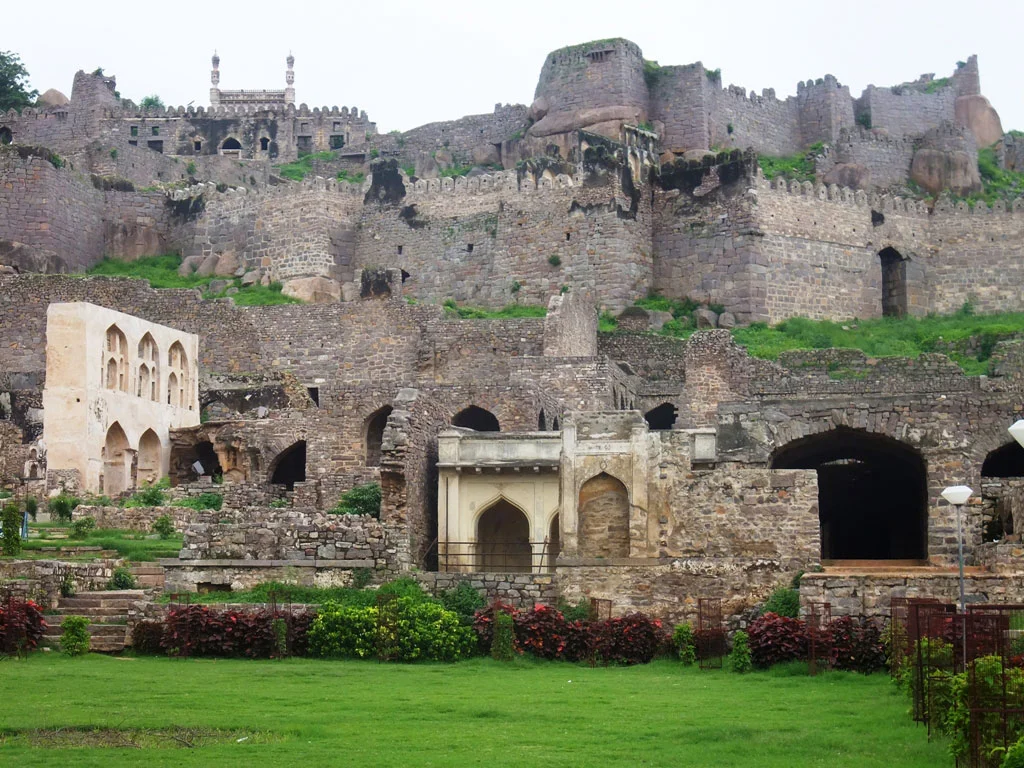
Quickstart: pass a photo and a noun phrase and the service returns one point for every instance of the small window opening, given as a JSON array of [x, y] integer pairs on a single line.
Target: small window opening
[[132, 143], [314, 395], [264, 144], [134, 130], [156, 145], [197, 146], [469, 248], [156, 130]]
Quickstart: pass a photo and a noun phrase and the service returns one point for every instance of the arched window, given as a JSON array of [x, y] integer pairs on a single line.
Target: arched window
[[149, 367], [1005, 461], [503, 539], [116, 461], [289, 466], [6, 137], [150, 458], [264, 143], [542, 423], [661, 418], [872, 494], [231, 146], [375, 435], [180, 393], [603, 527], [115, 360], [476, 418]]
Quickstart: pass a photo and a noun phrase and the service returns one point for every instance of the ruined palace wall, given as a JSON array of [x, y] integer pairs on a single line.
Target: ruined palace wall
[[821, 249], [709, 249], [886, 158], [904, 111], [473, 239], [770, 125], [287, 231], [460, 137], [55, 215]]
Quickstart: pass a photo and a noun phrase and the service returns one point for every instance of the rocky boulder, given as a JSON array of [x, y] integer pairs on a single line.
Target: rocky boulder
[[315, 290], [935, 170], [852, 175], [976, 113]]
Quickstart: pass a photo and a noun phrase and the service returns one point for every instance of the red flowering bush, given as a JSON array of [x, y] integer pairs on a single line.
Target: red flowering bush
[[579, 641], [856, 645], [775, 638], [21, 626], [483, 624], [148, 636], [541, 631], [632, 639], [196, 630]]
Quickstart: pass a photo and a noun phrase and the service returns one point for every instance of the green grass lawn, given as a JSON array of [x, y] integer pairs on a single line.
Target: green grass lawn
[[323, 713]]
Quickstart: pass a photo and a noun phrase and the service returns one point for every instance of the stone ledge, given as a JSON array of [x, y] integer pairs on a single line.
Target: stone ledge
[[348, 564]]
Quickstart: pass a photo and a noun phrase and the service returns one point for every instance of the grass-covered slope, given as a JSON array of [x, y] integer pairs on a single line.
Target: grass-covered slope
[[162, 272]]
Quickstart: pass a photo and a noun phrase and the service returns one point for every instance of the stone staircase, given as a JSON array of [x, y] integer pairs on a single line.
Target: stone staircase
[[149, 576], [107, 613]]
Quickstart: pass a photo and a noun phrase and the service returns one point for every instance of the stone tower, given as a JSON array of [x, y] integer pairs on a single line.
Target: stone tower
[[289, 78]]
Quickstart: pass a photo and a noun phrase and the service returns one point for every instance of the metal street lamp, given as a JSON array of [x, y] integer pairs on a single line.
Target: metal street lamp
[[957, 495]]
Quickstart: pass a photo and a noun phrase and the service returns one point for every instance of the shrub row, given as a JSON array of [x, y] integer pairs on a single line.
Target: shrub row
[[546, 633], [852, 645], [21, 626], [196, 630]]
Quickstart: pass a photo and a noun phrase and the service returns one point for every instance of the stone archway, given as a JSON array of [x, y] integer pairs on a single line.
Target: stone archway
[[894, 283], [150, 458], [662, 417], [503, 539], [476, 418], [117, 461], [872, 493], [375, 426], [603, 514], [289, 467]]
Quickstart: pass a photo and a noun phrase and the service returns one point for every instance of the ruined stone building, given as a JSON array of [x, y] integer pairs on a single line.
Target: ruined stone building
[[558, 460]]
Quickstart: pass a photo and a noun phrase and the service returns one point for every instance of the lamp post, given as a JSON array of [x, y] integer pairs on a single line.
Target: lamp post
[[957, 495]]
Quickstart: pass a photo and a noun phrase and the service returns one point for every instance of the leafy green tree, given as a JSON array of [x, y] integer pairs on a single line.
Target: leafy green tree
[[14, 92], [152, 102]]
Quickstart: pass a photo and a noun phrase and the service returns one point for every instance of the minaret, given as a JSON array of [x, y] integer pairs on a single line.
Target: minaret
[[215, 80], [289, 78]]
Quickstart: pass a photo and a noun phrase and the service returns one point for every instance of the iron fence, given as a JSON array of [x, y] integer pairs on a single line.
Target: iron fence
[[710, 636], [502, 557]]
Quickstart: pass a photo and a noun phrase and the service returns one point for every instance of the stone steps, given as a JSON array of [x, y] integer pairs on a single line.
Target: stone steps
[[149, 575], [107, 613]]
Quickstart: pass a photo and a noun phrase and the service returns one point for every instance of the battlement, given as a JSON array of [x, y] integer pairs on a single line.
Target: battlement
[[594, 51]]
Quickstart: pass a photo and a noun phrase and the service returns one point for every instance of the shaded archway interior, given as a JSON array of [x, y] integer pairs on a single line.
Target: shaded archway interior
[[661, 418], [290, 466], [375, 435], [872, 494], [476, 418], [603, 518], [894, 283], [1005, 461], [503, 539]]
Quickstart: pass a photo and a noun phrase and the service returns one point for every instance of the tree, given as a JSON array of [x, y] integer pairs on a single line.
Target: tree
[[14, 92], [152, 102]]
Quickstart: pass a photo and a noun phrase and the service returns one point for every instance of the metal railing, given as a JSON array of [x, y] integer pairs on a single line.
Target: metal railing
[[508, 557]]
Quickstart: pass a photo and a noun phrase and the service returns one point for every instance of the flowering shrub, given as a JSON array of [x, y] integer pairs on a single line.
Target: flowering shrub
[[147, 637], [483, 623], [541, 631], [633, 639], [21, 626], [775, 638], [196, 630], [856, 646]]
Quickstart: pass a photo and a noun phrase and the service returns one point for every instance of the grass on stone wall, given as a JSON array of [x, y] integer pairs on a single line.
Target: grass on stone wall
[[798, 167], [137, 546], [98, 710], [967, 339], [507, 312], [297, 170], [162, 272]]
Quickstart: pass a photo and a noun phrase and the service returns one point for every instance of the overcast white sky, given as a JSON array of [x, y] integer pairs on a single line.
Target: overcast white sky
[[408, 63]]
